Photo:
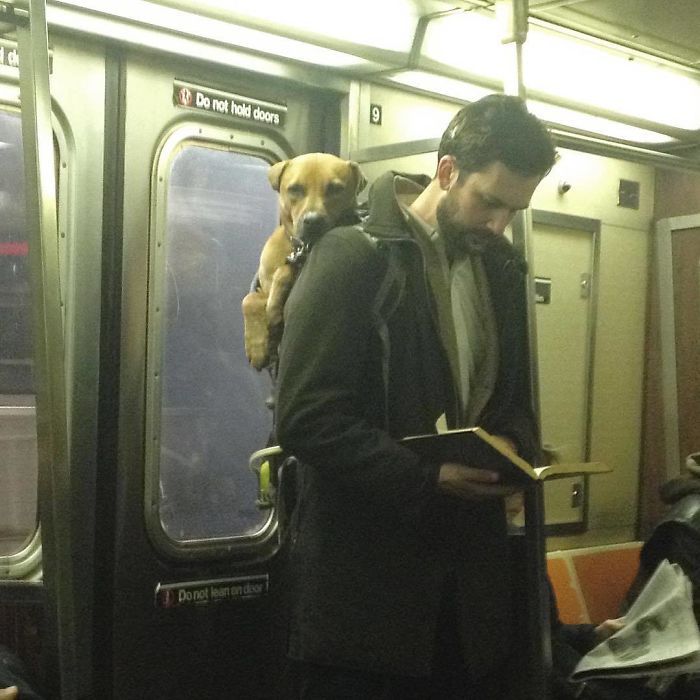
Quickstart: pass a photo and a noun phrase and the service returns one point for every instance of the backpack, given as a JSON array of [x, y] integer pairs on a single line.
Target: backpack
[[276, 472]]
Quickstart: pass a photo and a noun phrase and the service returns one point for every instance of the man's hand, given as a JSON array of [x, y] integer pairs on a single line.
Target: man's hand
[[515, 503], [471, 484], [608, 628]]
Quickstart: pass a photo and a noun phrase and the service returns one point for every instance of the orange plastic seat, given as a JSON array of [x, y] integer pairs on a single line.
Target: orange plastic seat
[[604, 577], [572, 609]]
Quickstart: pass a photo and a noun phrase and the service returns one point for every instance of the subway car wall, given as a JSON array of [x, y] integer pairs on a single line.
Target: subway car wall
[[162, 573]]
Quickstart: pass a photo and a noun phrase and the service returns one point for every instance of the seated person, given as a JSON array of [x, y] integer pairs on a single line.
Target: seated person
[[677, 536], [570, 642], [14, 684]]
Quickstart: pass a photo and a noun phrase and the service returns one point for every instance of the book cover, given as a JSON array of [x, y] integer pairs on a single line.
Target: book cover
[[475, 447]]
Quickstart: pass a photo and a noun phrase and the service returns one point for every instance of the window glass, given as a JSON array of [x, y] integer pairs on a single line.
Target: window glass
[[18, 443], [220, 208]]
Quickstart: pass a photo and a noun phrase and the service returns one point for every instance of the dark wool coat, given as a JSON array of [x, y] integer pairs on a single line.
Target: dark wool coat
[[373, 543], [676, 537]]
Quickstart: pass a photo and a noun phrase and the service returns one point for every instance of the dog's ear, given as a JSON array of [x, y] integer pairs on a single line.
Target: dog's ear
[[360, 179], [274, 174]]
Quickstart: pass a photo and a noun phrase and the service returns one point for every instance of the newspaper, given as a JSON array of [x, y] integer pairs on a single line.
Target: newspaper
[[660, 636]]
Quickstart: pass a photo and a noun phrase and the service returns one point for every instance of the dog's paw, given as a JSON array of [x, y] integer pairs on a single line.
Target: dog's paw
[[257, 355]]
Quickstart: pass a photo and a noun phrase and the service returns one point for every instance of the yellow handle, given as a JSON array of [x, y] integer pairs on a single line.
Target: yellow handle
[[264, 477]]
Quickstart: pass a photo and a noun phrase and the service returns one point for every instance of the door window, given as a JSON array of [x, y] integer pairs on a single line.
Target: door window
[[18, 442], [213, 410]]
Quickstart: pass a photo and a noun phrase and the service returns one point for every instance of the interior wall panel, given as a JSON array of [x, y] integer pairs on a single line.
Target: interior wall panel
[[676, 194]]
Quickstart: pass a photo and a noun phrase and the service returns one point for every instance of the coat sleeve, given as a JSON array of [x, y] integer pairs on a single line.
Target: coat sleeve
[[326, 356]]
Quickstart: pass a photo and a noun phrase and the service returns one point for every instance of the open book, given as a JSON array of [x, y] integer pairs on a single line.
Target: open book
[[660, 636], [477, 448]]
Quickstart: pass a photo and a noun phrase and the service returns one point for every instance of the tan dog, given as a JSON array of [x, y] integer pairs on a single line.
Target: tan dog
[[316, 191]]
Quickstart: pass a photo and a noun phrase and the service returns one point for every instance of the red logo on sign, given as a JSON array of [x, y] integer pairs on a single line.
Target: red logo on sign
[[184, 97], [18, 248]]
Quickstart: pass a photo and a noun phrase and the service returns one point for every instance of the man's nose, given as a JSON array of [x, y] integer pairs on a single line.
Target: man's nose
[[499, 220]]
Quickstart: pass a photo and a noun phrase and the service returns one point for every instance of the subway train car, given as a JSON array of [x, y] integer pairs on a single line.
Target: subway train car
[[142, 552]]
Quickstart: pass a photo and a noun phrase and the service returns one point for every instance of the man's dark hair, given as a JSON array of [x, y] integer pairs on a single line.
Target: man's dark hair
[[498, 128]]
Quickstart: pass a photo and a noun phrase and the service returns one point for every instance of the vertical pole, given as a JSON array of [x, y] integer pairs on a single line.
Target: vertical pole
[[350, 121], [538, 608], [513, 16], [49, 375]]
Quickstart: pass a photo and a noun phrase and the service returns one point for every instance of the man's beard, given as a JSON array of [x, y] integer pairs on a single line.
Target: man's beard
[[460, 240]]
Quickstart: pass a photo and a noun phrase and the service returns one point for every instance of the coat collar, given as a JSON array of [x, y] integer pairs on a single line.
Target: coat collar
[[386, 220]]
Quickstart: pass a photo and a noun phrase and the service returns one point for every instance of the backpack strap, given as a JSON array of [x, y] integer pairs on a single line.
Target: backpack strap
[[386, 301]]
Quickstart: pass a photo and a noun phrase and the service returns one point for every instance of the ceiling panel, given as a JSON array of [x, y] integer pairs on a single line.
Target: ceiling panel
[[668, 28]]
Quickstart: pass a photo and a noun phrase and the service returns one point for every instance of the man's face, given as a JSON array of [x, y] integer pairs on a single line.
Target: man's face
[[481, 205]]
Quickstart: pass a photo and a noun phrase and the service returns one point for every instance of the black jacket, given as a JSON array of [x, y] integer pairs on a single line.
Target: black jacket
[[13, 672], [374, 543], [676, 537]]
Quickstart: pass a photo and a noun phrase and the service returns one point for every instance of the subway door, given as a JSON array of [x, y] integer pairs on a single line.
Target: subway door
[[564, 255], [197, 591], [686, 283], [678, 241], [46, 509], [22, 611]]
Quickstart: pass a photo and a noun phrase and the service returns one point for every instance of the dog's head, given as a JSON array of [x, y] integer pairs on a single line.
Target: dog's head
[[316, 190]]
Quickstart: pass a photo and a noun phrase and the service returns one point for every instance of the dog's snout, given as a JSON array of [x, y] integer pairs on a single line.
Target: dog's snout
[[312, 225], [314, 220]]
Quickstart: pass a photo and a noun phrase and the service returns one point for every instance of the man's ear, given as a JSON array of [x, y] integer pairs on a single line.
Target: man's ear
[[447, 172]]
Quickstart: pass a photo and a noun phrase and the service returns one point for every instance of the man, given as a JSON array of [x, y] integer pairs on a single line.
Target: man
[[401, 565]]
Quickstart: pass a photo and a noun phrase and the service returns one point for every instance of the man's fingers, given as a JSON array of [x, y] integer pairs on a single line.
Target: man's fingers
[[483, 476], [471, 490], [470, 483], [456, 471], [488, 490]]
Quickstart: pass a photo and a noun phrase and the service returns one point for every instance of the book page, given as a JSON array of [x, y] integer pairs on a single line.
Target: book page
[[570, 468], [475, 447]]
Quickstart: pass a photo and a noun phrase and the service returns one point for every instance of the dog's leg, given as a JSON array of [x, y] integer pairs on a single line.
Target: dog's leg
[[282, 282], [255, 329]]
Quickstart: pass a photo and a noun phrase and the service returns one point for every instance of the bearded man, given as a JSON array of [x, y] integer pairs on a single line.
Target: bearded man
[[402, 576]]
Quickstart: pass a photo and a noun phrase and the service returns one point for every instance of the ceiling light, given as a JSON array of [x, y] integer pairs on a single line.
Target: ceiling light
[[467, 92], [567, 66], [467, 41], [440, 85], [570, 69], [339, 21], [150, 14], [595, 125]]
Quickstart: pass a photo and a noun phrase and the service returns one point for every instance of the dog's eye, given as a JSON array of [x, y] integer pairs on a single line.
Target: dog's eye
[[296, 190], [335, 188]]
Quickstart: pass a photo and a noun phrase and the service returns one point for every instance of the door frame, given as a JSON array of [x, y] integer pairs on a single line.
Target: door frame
[[234, 640], [665, 228], [593, 227]]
